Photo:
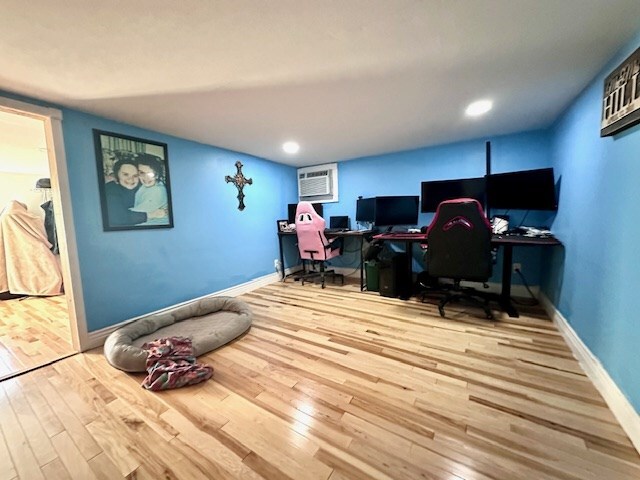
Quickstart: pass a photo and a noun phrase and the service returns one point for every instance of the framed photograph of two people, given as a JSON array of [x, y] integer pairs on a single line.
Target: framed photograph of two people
[[133, 177]]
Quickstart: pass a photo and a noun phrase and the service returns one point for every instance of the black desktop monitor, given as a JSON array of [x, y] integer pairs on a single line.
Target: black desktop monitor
[[391, 211], [291, 211], [339, 222], [366, 210], [318, 207], [438, 191], [525, 190]]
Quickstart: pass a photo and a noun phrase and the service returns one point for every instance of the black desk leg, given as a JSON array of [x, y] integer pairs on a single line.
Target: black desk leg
[[408, 248], [505, 294], [361, 263], [281, 257]]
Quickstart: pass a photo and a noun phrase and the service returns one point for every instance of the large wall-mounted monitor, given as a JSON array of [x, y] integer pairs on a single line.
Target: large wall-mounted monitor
[[401, 210], [291, 211], [366, 210], [440, 190], [525, 190]]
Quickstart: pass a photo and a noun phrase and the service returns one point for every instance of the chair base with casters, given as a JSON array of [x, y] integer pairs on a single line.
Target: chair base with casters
[[322, 274], [464, 293]]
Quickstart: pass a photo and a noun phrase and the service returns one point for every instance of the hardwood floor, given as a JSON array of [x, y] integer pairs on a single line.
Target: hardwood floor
[[33, 331], [329, 384]]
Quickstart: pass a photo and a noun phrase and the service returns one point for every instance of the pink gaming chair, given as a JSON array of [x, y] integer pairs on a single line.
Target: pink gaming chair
[[312, 243]]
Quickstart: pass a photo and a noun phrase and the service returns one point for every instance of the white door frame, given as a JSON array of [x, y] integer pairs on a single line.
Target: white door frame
[[65, 230]]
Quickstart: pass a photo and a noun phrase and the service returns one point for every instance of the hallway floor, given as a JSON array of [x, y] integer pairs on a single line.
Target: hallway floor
[[33, 331]]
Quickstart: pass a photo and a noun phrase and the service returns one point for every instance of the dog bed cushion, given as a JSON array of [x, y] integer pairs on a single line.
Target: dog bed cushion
[[209, 323]]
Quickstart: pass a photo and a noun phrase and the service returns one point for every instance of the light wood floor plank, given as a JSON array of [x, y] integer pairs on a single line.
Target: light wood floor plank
[[72, 458], [33, 331], [24, 461], [72, 424], [55, 470], [329, 383], [7, 470], [104, 468], [37, 438], [227, 462], [48, 420]]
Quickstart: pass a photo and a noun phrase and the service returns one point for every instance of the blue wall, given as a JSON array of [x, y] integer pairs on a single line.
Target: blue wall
[[401, 174], [212, 246], [594, 282]]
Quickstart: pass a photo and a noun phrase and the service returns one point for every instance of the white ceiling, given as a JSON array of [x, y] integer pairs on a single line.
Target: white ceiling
[[344, 78], [23, 145]]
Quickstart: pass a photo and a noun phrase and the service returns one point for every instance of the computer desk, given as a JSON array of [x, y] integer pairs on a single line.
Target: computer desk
[[359, 234], [505, 241]]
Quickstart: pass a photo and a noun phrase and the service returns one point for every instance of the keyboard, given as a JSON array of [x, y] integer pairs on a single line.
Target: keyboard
[[336, 230], [401, 236]]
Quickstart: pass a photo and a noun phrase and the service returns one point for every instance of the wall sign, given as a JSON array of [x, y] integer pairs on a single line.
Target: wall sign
[[621, 98]]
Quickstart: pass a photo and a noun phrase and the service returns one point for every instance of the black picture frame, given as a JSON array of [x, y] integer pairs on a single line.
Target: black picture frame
[[133, 179], [283, 225], [621, 97]]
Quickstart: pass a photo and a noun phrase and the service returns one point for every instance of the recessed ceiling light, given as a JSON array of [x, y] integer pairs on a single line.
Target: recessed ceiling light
[[479, 108], [291, 147]]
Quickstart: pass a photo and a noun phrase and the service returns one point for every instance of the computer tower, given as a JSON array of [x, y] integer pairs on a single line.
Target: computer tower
[[394, 278]]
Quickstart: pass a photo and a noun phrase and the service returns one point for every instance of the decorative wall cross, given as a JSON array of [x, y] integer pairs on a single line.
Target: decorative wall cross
[[239, 180]]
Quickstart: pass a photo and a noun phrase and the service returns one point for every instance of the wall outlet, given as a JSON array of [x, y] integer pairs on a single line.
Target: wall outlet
[[516, 267], [276, 264]]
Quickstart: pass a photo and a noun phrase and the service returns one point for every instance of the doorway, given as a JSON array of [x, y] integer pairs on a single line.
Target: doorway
[[42, 320]]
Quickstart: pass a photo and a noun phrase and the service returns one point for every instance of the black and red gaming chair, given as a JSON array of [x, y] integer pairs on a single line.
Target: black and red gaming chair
[[459, 248]]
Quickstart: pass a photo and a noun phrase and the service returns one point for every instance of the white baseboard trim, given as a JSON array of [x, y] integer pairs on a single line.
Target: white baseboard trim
[[97, 337], [618, 403]]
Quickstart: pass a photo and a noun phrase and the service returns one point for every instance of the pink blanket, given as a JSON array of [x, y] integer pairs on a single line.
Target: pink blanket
[[171, 364], [27, 266]]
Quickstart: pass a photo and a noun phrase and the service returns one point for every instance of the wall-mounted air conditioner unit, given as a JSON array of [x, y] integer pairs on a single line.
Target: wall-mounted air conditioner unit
[[314, 183], [318, 183]]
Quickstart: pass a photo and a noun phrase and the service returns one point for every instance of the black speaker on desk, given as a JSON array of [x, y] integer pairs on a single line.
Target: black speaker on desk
[[394, 278]]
